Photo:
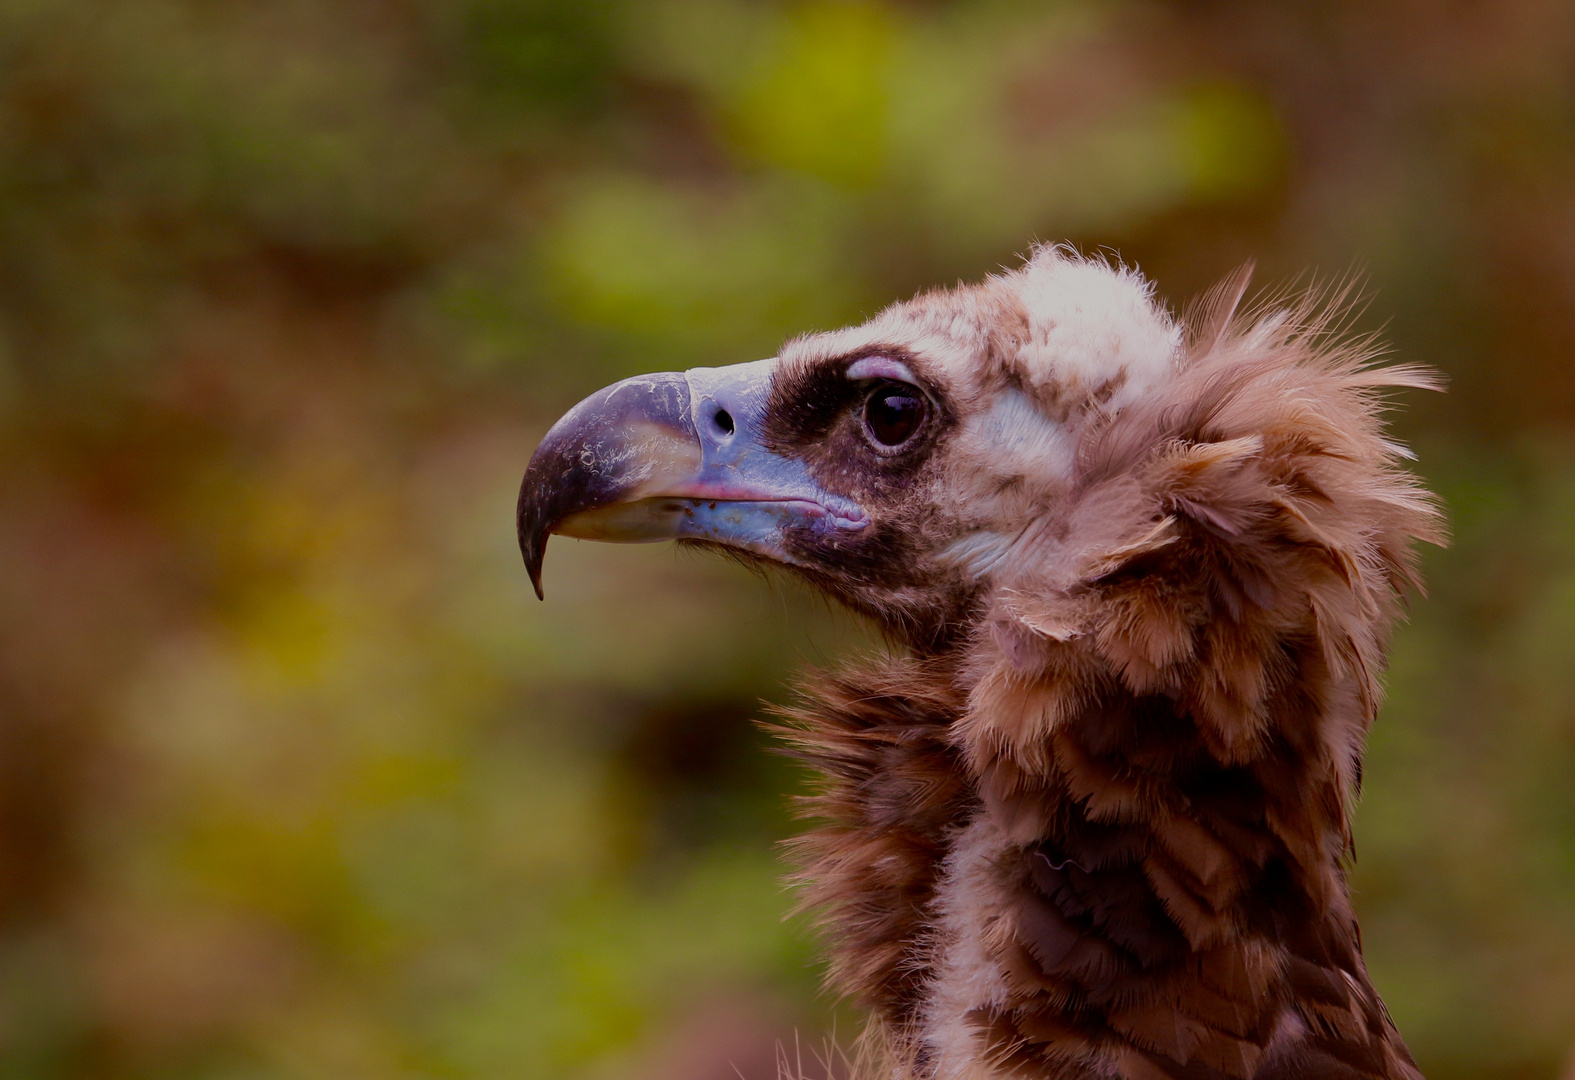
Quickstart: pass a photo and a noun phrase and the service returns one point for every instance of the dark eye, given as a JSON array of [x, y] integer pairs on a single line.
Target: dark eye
[[893, 414]]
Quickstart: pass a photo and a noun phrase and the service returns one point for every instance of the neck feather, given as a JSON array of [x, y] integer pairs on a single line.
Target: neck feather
[[1139, 910], [1106, 836]]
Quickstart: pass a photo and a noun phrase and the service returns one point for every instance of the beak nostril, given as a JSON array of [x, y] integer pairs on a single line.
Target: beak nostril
[[724, 421]]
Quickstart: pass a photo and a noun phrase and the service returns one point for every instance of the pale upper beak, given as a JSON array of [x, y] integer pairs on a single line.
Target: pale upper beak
[[676, 456]]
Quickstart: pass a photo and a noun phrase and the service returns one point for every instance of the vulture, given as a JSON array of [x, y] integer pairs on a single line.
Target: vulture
[[1091, 815]]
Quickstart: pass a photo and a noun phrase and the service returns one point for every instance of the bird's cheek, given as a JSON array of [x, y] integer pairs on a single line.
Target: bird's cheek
[[877, 556]]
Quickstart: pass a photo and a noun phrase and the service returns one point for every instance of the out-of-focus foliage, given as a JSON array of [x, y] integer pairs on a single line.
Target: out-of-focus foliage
[[298, 780]]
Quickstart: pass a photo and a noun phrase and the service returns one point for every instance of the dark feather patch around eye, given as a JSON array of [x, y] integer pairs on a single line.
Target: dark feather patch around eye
[[806, 405], [810, 402]]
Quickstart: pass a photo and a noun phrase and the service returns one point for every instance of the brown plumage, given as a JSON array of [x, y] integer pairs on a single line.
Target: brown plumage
[[1094, 820]]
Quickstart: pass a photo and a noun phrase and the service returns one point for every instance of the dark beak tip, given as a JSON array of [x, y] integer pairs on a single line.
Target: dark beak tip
[[533, 560], [534, 548], [532, 531]]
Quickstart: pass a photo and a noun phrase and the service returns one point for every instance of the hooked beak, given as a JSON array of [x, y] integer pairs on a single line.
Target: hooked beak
[[673, 456]]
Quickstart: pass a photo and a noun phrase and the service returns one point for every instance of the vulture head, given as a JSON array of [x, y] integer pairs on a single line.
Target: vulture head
[[1093, 820], [905, 466]]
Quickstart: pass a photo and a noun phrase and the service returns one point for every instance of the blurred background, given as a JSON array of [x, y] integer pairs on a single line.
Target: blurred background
[[298, 780]]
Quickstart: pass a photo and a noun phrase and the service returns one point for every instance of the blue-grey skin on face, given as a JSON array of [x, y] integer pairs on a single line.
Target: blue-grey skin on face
[[676, 456]]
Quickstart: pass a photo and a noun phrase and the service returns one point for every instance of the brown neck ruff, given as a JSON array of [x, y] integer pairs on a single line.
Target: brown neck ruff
[[1106, 836]]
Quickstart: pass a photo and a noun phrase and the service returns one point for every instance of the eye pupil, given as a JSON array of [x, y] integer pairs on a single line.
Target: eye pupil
[[893, 414]]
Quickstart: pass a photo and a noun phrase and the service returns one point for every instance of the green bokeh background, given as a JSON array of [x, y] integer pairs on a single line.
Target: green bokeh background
[[297, 779]]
